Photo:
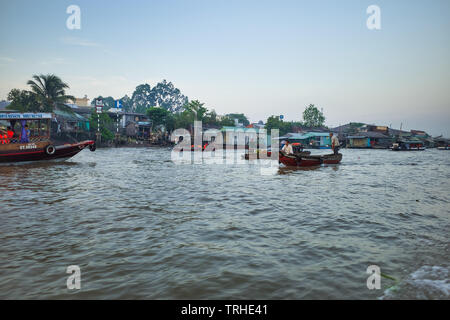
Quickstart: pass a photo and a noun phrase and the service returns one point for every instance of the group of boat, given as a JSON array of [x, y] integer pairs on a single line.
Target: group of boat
[[300, 157], [29, 139]]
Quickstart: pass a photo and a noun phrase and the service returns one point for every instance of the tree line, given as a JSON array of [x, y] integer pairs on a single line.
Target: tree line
[[164, 104]]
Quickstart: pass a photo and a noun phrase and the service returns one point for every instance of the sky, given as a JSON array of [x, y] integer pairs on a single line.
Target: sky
[[256, 57]]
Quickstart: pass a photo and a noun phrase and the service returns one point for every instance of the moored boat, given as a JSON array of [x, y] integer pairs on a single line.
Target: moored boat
[[34, 142]]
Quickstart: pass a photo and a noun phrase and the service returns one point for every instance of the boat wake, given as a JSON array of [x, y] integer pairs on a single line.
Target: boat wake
[[428, 282]]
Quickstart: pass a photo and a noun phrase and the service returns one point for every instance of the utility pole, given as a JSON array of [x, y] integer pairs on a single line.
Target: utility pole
[[118, 108], [98, 109]]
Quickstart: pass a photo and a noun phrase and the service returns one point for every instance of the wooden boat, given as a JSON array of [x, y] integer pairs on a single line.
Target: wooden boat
[[38, 146], [297, 148], [309, 160]]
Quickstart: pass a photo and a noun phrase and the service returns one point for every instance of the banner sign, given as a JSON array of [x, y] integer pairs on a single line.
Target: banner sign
[[25, 116]]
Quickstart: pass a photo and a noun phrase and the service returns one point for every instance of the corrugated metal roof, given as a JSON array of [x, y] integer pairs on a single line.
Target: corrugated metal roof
[[369, 134], [69, 116]]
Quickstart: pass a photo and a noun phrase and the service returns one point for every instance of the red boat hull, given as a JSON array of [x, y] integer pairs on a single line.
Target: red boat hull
[[309, 161], [37, 151]]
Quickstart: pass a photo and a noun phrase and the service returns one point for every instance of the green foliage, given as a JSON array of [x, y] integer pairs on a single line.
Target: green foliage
[[141, 98], [160, 116], [193, 111], [108, 102], [163, 95], [184, 119], [105, 122], [24, 101], [226, 121], [50, 92], [313, 117], [240, 117], [126, 103], [197, 110], [274, 122], [210, 118]]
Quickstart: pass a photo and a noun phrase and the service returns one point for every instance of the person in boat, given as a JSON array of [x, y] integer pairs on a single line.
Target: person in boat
[[287, 148], [3, 137], [10, 133], [334, 143], [25, 135]]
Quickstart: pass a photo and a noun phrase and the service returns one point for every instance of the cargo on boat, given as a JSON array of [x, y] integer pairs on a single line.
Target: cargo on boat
[[27, 137]]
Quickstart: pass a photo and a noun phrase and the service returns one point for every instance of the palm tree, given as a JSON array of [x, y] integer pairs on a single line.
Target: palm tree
[[197, 109], [50, 92]]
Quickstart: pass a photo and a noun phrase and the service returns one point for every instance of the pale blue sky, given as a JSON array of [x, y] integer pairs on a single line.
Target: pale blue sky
[[257, 57]]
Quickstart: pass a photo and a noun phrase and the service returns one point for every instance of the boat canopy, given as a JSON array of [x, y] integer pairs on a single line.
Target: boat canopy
[[24, 116]]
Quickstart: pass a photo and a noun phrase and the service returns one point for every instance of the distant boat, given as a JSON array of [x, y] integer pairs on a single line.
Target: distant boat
[[405, 145], [37, 146], [444, 148]]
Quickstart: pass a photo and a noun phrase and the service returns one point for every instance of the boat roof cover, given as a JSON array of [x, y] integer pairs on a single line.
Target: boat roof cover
[[24, 116], [70, 116]]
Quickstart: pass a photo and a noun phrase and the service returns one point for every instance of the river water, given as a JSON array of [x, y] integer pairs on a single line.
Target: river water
[[142, 227]]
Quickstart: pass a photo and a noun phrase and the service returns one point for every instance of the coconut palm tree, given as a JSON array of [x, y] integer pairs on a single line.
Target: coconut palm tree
[[50, 92], [197, 108]]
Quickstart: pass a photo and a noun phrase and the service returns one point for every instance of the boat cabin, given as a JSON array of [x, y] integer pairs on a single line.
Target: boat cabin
[[24, 128], [408, 145]]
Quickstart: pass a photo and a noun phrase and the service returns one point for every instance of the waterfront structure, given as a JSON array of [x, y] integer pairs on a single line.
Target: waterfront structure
[[71, 122], [82, 102], [369, 139], [231, 135]]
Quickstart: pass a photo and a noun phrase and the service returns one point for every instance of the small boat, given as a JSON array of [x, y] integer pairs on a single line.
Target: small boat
[[407, 146], [444, 148], [38, 145], [309, 160]]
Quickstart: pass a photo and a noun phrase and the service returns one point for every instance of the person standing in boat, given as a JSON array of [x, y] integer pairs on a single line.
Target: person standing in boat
[[334, 143], [287, 148]]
